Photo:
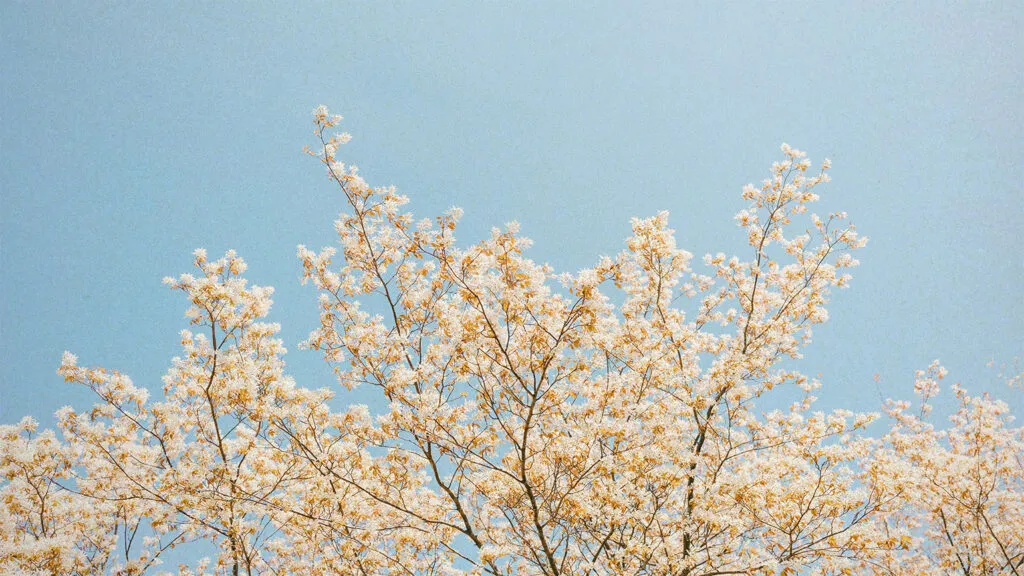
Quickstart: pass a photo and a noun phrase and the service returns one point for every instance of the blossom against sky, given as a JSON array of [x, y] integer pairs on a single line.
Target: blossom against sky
[[133, 134]]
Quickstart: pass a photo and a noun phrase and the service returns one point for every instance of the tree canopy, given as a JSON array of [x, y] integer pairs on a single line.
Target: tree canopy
[[607, 421]]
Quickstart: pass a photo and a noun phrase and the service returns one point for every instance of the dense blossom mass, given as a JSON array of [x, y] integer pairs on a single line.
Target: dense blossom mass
[[528, 422]]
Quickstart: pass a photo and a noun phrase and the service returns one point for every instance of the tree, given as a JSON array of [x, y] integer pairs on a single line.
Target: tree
[[965, 483], [604, 422]]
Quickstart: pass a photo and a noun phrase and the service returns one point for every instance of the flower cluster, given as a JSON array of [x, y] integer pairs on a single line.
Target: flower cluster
[[530, 422]]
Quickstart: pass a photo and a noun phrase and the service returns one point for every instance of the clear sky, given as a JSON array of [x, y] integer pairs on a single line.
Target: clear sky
[[132, 133]]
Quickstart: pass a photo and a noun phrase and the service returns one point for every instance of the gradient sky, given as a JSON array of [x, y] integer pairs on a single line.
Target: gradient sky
[[133, 133]]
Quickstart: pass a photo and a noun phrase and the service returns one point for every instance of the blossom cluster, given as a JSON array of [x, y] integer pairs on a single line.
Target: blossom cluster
[[529, 422]]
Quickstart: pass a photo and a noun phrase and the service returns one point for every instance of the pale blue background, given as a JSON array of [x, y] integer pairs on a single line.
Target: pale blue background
[[133, 133]]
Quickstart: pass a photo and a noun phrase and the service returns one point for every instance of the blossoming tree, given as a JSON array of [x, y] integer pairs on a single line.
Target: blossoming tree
[[604, 422]]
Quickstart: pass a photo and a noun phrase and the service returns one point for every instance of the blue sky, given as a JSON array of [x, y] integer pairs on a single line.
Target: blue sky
[[133, 133]]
